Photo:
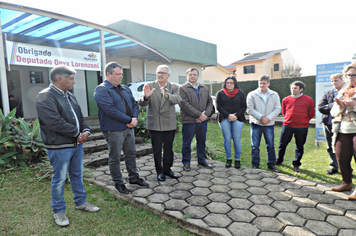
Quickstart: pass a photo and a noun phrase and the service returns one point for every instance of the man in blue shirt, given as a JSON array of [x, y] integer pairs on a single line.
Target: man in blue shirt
[[324, 107], [118, 113]]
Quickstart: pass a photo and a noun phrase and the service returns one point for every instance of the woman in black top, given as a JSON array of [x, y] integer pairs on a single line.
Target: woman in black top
[[231, 104]]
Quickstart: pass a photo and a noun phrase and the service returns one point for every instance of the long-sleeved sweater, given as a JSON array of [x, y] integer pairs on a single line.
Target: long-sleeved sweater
[[298, 112]]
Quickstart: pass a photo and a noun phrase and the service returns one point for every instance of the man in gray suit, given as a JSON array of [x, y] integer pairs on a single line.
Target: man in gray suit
[[161, 97]]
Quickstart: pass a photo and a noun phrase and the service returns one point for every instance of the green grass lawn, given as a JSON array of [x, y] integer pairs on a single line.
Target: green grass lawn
[[25, 210], [314, 163]]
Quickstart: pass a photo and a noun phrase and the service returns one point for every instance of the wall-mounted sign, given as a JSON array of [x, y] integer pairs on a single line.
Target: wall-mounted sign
[[36, 55]]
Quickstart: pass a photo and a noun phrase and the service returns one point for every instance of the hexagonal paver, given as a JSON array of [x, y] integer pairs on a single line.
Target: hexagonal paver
[[204, 176], [198, 222], [195, 212], [238, 203], [286, 178], [260, 199], [303, 202], [290, 185], [263, 210], [274, 187], [281, 196], [175, 204], [143, 192], [296, 192], [217, 220], [198, 200], [164, 189], [257, 190], [183, 186], [243, 229], [205, 171], [220, 188], [295, 230], [218, 207], [186, 179], [179, 194], [239, 193], [219, 197], [190, 173], [237, 178], [351, 214], [312, 189], [320, 198], [304, 182], [267, 223], [321, 227], [220, 181], [311, 213], [285, 206], [331, 209], [255, 183], [289, 218], [238, 185], [253, 176], [176, 214], [349, 205], [341, 222], [156, 206], [241, 215], [158, 198], [200, 191], [202, 183], [347, 232], [271, 180], [221, 174]]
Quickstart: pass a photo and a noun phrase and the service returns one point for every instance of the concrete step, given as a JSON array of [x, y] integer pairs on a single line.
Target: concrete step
[[98, 143], [101, 158]]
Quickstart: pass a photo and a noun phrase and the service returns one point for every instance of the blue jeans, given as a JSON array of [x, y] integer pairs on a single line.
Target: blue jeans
[[188, 132], [63, 161], [300, 135], [232, 130], [256, 134], [121, 140]]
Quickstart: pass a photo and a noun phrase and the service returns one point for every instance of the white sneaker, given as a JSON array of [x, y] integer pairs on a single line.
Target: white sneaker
[[61, 219], [87, 207]]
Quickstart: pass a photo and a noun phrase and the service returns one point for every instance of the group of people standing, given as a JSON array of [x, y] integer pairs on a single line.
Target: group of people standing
[[338, 107], [263, 106], [64, 130]]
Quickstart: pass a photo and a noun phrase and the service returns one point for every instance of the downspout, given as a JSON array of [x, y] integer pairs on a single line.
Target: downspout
[[4, 91], [103, 54]]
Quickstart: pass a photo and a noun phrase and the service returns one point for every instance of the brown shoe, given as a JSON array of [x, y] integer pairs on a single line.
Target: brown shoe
[[186, 167], [205, 164], [353, 195], [343, 187]]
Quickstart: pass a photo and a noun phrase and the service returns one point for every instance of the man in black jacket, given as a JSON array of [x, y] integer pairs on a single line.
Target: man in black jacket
[[63, 130], [324, 107]]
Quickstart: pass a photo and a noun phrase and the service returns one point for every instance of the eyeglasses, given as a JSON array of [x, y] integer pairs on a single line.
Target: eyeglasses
[[229, 83], [161, 73], [350, 76]]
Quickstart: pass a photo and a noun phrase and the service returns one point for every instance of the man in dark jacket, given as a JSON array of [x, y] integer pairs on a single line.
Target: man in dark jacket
[[195, 108], [324, 107], [118, 113], [63, 130]]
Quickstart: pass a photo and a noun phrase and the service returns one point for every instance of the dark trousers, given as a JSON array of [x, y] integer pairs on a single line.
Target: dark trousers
[[188, 132], [165, 138], [345, 148], [300, 135], [332, 156]]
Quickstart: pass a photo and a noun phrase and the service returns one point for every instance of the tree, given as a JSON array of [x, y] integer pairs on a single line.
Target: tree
[[290, 70]]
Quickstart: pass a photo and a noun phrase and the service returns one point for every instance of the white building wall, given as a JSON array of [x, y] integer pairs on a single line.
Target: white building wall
[[137, 70], [80, 91]]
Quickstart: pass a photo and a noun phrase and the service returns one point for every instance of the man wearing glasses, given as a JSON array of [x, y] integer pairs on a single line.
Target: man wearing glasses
[[263, 106], [324, 107], [160, 97]]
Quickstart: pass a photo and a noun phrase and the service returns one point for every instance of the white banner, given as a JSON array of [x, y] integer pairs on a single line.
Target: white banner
[[42, 56]]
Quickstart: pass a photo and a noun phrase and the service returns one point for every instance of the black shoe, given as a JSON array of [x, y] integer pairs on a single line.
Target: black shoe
[[278, 162], [161, 177], [237, 165], [228, 163], [172, 175], [255, 168], [205, 164], [122, 188], [296, 169], [273, 168], [139, 182], [331, 171]]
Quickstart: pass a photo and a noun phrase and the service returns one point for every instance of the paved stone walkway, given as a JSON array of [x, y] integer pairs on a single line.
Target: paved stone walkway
[[221, 201]]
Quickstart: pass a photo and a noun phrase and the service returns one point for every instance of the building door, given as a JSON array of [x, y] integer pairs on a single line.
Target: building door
[[93, 79]]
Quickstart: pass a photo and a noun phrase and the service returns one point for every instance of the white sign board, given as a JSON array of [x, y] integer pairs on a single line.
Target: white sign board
[[42, 56], [322, 85]]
